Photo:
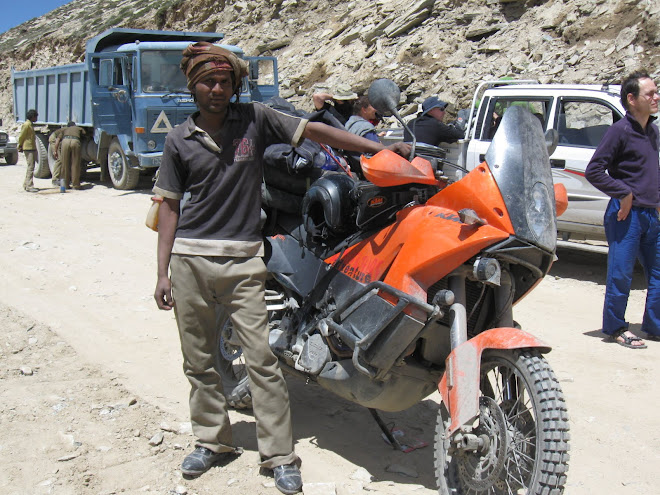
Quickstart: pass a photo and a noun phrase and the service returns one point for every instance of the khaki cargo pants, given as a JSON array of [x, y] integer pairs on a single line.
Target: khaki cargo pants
[[199, 283]]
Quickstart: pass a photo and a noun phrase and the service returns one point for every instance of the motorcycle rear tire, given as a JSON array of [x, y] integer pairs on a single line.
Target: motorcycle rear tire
[[520, 393], [233, 371]]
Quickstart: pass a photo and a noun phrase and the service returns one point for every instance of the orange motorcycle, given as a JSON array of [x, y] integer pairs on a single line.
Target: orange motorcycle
[[386, 289]]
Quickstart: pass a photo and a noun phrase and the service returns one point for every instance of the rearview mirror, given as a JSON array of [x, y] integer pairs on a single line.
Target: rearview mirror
[[384, 96], [254, 70]]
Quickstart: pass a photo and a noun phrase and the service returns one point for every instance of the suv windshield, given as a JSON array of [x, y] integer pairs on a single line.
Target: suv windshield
[[499, 105], [161, 72]]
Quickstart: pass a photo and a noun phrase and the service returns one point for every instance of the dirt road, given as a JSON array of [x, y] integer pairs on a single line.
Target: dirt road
[[93, 400]]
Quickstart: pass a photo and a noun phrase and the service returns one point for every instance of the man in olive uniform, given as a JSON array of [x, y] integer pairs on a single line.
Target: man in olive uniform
[[27, 143], [57, 167], [70, 154]]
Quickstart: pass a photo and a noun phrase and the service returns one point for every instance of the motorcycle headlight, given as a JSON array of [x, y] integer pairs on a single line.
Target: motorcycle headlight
[[541, 215]]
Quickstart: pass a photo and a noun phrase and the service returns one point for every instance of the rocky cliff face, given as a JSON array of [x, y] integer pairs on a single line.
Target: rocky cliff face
[[442, 47]]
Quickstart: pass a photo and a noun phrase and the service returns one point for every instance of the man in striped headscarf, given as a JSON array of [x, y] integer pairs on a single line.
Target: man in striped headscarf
[[214, 249]]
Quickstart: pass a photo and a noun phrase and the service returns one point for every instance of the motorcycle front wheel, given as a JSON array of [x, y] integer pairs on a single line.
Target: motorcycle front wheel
[[523, 428]]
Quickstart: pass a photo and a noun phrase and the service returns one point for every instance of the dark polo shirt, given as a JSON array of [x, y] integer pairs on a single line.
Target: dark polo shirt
[[223, 215], [627, 161]]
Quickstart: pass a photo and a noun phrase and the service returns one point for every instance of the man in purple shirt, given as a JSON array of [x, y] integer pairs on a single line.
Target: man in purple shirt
[[625, 167]]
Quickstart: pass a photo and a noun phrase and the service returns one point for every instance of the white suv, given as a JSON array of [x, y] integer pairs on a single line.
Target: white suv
[[8, 147], [581, 114]]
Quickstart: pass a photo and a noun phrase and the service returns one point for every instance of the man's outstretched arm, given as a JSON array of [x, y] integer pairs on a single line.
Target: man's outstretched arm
[[344, 140]]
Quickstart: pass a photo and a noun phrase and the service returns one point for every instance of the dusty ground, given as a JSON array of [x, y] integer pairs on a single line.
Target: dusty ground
[[93, 400]]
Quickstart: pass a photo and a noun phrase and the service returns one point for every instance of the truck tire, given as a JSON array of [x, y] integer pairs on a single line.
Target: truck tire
[[41, 168], [11, 158], [51, 159], [122, 175]]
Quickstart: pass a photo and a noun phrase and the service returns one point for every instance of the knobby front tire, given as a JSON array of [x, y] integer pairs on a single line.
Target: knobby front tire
[[523, 414]]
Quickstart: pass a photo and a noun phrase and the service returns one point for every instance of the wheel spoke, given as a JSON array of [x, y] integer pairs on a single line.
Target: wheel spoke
[[517, 415], [508, 487], [511, 476], [520, 466]]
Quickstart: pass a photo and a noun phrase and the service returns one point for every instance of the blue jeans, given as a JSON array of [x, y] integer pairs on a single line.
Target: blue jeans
[[638, 236]]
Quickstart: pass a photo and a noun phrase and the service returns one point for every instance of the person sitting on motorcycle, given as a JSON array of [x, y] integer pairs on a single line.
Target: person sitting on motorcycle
[[211, 253], [428, 126], [361, 122]]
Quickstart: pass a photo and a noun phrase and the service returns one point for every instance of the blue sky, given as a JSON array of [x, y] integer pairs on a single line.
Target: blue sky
[[15, 12]]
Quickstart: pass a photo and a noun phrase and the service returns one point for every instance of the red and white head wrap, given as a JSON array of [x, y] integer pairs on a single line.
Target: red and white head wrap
[[203, 58]]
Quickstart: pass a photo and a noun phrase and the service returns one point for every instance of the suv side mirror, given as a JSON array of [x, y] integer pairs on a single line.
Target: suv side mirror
[[253, 70]]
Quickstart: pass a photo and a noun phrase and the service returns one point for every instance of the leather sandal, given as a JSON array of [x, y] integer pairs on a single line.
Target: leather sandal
[[627, 340], [288, 479]]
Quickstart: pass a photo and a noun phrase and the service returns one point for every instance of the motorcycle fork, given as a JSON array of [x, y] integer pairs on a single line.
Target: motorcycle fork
[[458, 330], [460, 384]]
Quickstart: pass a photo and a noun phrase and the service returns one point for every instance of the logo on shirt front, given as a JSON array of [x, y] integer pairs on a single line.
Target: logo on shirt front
[[245, 150]]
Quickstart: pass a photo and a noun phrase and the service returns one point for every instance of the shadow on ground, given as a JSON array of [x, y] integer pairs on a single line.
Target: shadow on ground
[[589, 267], [348, 430]]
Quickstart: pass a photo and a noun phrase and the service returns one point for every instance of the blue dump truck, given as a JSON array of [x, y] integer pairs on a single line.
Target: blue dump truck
[[127, 95]]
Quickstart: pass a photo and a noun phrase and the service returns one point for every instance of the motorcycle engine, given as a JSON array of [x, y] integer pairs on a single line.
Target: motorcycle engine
[[314, 356]]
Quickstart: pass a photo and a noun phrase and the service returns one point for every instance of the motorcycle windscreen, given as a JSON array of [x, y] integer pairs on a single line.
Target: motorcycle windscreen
[[518, 159]]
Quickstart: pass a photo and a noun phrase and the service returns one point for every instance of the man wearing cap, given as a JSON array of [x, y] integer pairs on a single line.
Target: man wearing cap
[[213, 249], [339, 103], [428, 126]]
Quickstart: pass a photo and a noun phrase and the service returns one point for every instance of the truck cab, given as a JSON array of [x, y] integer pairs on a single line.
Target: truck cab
[[139, 94], [128, 94]]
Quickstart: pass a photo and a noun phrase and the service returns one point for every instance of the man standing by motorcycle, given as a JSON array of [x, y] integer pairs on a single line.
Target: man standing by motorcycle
[[213, 249], [625, 167]]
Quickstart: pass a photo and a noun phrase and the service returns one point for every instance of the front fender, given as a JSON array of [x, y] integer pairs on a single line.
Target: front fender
[[459, 386]]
